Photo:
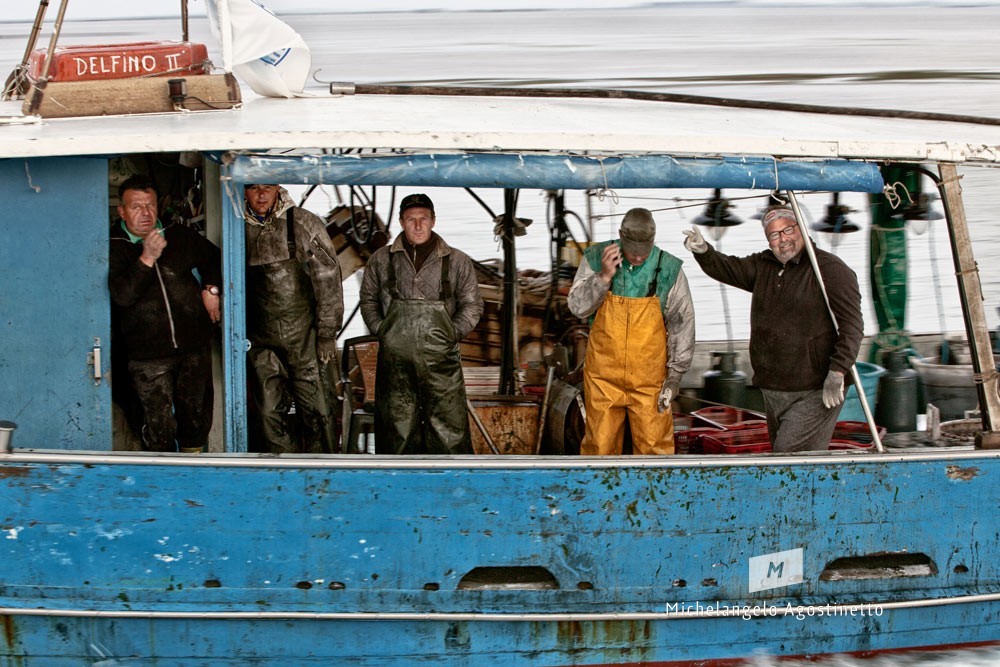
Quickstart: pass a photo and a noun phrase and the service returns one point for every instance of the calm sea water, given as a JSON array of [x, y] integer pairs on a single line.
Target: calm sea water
[[920, 58]]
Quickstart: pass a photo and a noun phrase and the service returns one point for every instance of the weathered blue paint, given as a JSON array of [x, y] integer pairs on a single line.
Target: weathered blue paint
[[214, 535], [555, 172], [118, 537], [53, 302], [234, 339]]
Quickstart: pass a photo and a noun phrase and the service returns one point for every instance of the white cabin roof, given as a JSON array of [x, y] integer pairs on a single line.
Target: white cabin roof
[[439, 123]]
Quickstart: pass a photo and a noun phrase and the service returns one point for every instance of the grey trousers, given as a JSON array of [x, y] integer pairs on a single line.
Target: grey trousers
[[797, 421]]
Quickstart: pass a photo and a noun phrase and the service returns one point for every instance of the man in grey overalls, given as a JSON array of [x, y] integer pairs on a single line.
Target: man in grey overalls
[[421, 297], [295, 308]]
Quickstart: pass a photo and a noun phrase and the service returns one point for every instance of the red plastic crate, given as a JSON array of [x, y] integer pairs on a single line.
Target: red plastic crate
[[856, 432], [721, 416], [849, 445], [744, 441], [688, 441], [752, 423], [682, 421]]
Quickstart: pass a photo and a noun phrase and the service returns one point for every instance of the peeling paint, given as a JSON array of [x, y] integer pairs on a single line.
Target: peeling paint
[[115, 534], [167, 558], [962, 474]]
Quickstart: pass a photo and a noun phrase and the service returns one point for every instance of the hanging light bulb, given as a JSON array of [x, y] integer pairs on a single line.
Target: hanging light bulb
[[918, 213], [717, 216], [835, 221], [773, 199]]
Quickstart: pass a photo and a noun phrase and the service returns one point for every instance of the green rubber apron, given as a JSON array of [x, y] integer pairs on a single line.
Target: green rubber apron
[[420, 402]]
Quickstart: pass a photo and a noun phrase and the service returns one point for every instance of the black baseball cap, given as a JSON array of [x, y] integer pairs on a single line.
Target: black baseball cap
[[418, 200]]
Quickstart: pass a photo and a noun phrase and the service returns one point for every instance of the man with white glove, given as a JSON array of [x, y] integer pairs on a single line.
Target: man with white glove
[[798, 356], [641, 338]]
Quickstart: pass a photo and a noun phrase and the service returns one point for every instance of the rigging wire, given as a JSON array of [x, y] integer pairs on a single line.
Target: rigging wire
[[676, 98]]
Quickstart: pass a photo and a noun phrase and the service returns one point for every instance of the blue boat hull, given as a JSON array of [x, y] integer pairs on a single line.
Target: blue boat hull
[[251, 561]]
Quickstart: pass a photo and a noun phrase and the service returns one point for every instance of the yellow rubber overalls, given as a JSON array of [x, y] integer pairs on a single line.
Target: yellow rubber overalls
[[624, 369]]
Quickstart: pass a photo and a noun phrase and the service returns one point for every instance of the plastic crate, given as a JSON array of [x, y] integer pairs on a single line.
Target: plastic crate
[[856, 432], [752, 423], [682, 421], [688, 441], [849, 445], [743, 441], [721, 416]]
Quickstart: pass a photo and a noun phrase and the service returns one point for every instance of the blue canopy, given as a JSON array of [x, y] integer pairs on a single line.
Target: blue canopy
[[558, 172]]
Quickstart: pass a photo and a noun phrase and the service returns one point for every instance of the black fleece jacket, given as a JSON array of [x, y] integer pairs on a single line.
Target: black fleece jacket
[[159, 309]]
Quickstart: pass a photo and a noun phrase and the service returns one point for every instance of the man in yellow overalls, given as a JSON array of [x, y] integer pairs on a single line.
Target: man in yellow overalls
[[641, 338]]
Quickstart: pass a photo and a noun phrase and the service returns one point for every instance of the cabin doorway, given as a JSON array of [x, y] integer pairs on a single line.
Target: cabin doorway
[[185, 198]]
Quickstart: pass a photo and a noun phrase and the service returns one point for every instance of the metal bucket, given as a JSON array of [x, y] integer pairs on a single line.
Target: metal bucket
[[949, 387], [6, 433]]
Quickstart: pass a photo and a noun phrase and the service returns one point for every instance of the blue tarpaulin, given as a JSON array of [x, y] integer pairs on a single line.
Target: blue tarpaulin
[[558, 172]]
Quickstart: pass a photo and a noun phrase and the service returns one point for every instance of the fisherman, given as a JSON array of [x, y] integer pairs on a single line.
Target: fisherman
[[421, 297], [165, 317], [641, 338], [798, 356], [295, 308]]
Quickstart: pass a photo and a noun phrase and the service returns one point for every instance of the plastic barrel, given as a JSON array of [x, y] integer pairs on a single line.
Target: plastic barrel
[[851, 410]]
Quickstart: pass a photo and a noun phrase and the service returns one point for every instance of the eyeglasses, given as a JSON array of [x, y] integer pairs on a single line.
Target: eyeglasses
[[787, 231]]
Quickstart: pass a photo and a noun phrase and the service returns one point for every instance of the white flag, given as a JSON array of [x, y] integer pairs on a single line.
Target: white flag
[[260, 48]]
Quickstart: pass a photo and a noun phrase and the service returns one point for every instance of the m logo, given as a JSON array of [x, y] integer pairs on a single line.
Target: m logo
[[775, 570]]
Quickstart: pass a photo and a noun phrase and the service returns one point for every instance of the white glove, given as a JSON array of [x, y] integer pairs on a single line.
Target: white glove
[[668, 392], [694, 241], [833, 389]]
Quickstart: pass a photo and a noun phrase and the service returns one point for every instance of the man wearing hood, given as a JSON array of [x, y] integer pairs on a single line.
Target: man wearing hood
[[420, 297], [641, 338], [295, 308]]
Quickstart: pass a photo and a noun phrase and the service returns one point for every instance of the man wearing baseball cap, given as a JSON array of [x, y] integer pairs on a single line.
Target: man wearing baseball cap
[[641, 338], [420, 297], [798, 356]]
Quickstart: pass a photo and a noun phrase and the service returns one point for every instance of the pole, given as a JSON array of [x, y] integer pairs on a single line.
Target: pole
[[16, 84], [508, 353], [971, 294], [822, 286], [184, 21], [39, 89]]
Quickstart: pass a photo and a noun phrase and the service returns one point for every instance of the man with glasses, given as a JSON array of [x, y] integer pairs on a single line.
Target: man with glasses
[[799, 358]]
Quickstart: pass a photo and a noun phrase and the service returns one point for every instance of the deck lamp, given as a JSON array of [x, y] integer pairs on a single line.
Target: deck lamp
[[717, 216], [773, 199], [835, 221], [918, 213]]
